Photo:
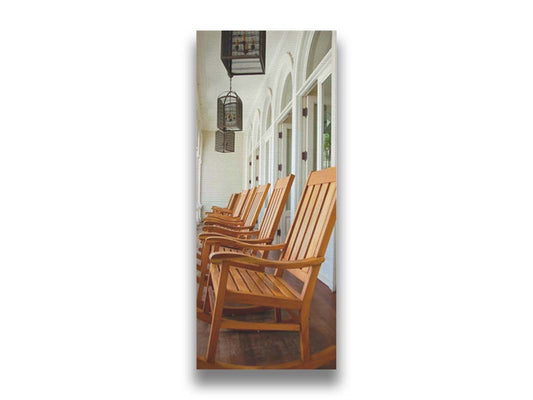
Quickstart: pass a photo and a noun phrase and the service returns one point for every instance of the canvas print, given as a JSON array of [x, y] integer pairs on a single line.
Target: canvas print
[[266, 193]]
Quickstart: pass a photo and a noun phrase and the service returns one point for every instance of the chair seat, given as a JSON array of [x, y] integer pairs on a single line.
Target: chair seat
[[253, 287]]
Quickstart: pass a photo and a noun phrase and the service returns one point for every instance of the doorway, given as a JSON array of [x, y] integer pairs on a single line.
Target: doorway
[[284, 169], [309, 135]]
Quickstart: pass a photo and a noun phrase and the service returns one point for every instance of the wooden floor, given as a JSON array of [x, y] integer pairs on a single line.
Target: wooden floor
[[262, 348]]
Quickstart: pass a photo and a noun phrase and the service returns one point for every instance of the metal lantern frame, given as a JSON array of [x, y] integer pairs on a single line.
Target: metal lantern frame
[[229, 111], [225, 141], [243, 52]]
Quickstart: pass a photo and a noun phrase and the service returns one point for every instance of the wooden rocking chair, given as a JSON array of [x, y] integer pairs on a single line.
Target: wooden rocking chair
[[250, 215], [265, 235], [228, 210], [242, 213], [241, 278], [238, 210]]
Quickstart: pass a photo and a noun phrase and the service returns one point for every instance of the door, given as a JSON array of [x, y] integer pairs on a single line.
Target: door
[[325, 159], [325, 141], [250, 172], [317, 145], [266, 173], [265, 178], [308, 158], [284, 168], [255, 181]]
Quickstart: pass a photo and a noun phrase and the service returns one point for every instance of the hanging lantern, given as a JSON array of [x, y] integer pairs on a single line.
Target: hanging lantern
[[225, 141], [243, 52], [229, 111]]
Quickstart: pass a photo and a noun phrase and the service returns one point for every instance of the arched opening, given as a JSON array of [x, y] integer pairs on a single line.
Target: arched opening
[[319, 48], [286, 96]]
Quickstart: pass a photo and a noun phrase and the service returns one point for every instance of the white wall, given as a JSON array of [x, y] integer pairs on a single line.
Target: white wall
[[222, 173]]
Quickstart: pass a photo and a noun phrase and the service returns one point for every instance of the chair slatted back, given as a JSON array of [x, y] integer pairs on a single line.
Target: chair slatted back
[[232, 201], [247, 203], [275, 207], [241, 201], [314, 220], [256, 204]]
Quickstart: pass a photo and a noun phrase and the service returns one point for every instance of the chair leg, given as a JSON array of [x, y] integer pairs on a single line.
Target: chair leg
[[203, 273], [305, 353], [216, 317], [277, 314], [207, 300]]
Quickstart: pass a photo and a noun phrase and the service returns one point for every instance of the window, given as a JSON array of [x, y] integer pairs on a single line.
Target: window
[[287, 92], [326, 123], [319, 48]]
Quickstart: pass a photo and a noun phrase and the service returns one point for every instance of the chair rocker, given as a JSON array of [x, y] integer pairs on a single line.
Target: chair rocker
[[237, 277]]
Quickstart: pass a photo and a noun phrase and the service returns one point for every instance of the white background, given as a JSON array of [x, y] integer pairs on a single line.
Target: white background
[[435, 199]]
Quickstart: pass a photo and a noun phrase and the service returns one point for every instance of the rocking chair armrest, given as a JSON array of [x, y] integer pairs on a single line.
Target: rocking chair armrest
[[223, 223], [210, 229], [263, 240], [252, 244], [223, 209], [221, 213], [245, 259], [229, 216], [247, 227], [218, 212], [234, 229], [245, 234], [205, 235], [222, 218], [248, 242]]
